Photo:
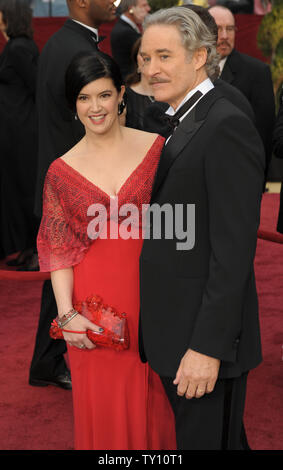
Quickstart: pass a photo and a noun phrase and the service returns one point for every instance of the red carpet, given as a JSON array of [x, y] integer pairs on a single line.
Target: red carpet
[[31, 418], [41, 418], [264, 407]]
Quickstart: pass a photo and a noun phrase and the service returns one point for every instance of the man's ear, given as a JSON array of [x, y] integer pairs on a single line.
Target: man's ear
[[82, 3], [200, 57]]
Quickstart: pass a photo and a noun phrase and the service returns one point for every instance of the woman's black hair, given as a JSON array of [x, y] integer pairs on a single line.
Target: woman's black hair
[[17, 15], [87, 67]]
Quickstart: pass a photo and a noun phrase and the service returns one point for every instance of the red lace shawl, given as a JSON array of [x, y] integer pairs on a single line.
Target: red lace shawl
[[62, 238]]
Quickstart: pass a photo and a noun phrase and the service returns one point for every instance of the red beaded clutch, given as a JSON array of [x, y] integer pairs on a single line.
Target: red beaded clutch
[[115, 332]]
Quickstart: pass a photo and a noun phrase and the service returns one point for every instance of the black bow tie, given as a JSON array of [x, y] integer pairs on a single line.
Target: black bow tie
[[96, 38], [174, 120]]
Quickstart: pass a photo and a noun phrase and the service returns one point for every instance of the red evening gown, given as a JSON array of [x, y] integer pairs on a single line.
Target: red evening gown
[[119, 402]]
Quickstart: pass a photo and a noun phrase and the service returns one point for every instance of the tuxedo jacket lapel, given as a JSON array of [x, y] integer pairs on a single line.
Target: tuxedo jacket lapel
[[181, 137]]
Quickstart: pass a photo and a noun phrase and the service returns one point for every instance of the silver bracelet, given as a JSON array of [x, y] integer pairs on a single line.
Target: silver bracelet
[[66, 318]]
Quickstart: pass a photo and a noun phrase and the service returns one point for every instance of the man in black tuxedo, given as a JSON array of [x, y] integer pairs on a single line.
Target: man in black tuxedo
[[199, 327], [250, 75], [127, 31], [58, 132]]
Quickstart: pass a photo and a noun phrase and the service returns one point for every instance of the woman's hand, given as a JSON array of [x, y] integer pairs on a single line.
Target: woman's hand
[[80, 340]]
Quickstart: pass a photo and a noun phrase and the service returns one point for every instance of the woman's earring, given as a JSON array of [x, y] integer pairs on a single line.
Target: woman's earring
[[76, 117], [121, 107]]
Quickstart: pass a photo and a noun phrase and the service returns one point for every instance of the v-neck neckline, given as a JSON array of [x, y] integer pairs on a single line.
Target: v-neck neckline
[[123, 186]]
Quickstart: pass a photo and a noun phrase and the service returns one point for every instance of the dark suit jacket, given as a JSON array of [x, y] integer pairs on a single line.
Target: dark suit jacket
[[253, 78], [278, 130], [58, 129], [278, 152], [235, 96], [123, 37], [205, 298]]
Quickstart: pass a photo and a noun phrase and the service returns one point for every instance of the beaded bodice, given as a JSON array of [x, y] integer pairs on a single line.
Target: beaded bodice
[[63, 237]]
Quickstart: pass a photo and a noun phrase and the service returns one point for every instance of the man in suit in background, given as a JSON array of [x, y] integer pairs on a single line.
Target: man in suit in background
[[58, 132], [199, 327], [127, 31], [278, 152], [248, 74]]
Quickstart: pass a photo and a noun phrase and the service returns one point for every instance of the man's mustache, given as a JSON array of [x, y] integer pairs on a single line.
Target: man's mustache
[[224, 43]]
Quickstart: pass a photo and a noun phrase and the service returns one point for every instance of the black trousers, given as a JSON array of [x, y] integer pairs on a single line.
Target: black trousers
[[212, 422], [48, 356]]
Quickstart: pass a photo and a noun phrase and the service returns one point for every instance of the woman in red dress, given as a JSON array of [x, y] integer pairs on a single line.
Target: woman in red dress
[[119, 402]]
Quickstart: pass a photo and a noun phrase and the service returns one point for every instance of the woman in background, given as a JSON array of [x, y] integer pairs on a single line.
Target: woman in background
[[18, 133], [138, 94]]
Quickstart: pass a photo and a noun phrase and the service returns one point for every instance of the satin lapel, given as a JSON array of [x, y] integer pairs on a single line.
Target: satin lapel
[[180, 139]]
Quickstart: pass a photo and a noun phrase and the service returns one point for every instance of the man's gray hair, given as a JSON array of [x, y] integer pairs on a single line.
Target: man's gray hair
[[124, 5], [194, 33]]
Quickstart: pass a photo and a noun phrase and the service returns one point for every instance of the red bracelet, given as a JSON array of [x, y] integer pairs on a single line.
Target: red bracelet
[[72, 331]]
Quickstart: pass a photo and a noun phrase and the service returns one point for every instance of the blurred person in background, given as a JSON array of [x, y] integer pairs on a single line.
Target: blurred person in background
[[126, 32], [262, 7], [250, 75], [18, 133], [278, 131], [138, 95], [278, 152]]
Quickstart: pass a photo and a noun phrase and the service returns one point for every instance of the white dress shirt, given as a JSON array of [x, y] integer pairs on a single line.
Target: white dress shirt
[[94, 30]]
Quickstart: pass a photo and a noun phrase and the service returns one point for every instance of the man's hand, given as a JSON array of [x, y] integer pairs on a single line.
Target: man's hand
[[197, 374]]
